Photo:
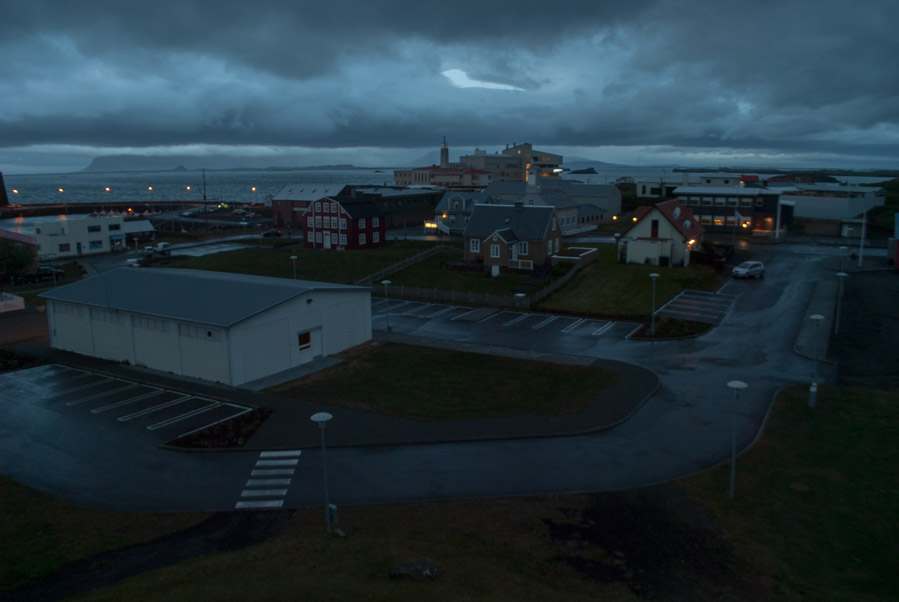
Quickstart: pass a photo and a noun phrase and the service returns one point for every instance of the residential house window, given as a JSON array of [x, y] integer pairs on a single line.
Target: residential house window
[[759, 202], [731, 220], [94, 228], [318, 221], [732, 201], [554, 223], [719, 220], [361, 222], [343, 223], [705, 220], [65, 247], [334, 239], [362, 239], [523, 247], [745, 202], [720, 201], [376, 237], [343, 240], [558, 241], [327, 222], [305, 340], [494, 251], [706, 201], [318, 237], [333, 207], [375, 222], [474, 245], [309, 222]]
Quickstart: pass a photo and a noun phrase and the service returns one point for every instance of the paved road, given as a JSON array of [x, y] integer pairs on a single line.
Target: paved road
[[683, 428]]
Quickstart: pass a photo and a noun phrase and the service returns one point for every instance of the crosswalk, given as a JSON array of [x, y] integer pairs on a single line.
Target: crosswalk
[[269, 480]]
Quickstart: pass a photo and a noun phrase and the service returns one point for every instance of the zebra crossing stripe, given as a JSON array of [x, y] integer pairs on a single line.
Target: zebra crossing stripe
[[289, 462], [267, 482], [283, 465], [259, 504], [263, 492], [280, 454]]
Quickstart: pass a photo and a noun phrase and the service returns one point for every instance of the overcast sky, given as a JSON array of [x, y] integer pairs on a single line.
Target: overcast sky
[[787, 82]]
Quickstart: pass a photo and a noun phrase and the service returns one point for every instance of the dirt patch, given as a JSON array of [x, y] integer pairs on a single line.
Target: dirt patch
[[231, 433], [656, 542]]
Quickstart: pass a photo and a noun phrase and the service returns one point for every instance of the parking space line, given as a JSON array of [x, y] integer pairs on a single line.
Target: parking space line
[[155, 408], [634, 331], [574, 325], [80, 400], [514, 320], [262, 492], [489, 317], [243, 410], [413, 312], [463, 315], [441, 311], [602, 329], [185, 415], [124, 402], [544, 323], [403, 304]]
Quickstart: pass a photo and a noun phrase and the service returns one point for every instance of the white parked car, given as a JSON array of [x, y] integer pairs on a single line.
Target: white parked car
[[749, 269]]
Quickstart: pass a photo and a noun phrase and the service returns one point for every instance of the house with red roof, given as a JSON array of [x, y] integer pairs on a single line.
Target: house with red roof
[[662, 234]]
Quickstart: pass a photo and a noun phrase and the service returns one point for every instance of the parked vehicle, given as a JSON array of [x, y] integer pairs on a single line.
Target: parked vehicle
[[162, 248], [749, 269], [44, 273], [272, 232]]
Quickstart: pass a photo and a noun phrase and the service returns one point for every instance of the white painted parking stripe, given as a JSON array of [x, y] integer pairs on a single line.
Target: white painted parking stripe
[[463, 315], [124, 402], [270, 472], [260, 504], [124, 385], [574, 325], [441, 311], [413, 312], [184, 416], [292, 462], [243, 410], [544, 322], [602, 329], [403, 304], [267, 482], [514, 320], [280, 454], [263, 492], [155, 408]]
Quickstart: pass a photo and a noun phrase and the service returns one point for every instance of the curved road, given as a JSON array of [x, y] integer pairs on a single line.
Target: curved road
[[685, 427]]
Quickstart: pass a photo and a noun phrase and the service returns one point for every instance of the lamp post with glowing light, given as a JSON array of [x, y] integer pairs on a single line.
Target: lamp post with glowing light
[[321, 418], [386, 284], [293, 258], [652, 330], [736, 385]]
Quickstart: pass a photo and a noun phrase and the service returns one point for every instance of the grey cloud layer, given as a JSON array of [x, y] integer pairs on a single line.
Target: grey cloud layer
[[791, 76]]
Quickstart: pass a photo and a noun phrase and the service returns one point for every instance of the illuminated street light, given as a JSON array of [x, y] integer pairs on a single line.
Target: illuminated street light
[[736, 385]]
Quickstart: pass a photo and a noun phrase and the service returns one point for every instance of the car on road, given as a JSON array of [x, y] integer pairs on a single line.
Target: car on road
[[272, 232], [749, 269]]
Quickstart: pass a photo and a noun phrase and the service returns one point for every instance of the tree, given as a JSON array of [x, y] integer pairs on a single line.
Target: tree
[[15, 259]]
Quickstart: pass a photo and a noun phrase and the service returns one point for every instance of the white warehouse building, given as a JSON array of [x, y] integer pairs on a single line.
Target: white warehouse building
[[228, 328]]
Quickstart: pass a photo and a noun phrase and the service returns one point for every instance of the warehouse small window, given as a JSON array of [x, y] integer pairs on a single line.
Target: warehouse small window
[[305, 340]]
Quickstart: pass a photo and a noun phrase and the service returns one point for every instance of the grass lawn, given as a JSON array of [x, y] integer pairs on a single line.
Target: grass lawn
[[437, 384], [430, 274], [39, 533], [327, 266], [685, 540], [611, 289]]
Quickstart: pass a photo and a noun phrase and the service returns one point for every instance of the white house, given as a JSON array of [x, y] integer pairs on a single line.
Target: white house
[[229, 328], [72, 236], [663, 234]]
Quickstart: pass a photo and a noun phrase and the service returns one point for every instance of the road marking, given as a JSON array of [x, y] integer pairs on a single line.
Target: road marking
[[412, 312], [185, 415], [514, 320], [280, 454], [270, 472], [292, 462], [124, 402], [259, 504], [441, 311], [267, 482], [155, 408], [463, 315], [263, 492], [574, 325], [544, 322], [602, 329]]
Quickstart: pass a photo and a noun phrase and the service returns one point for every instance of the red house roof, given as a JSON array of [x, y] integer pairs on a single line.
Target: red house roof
[[679, 216]]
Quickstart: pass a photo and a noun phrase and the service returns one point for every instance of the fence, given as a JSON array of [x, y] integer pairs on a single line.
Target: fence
[[520, 300], [379, 275]]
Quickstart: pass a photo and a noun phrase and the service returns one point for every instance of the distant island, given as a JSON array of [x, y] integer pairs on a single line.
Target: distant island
[[127, 163]]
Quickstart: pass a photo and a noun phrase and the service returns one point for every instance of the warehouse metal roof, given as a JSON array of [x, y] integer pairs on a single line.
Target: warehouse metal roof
[[215, 298]]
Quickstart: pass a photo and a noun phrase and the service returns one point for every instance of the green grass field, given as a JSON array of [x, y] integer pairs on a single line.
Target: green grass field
[[438, 384]]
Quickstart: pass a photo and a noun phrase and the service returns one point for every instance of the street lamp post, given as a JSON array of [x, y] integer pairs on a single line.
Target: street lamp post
[[841, 276], [813, 390], [386, 284], [293, 258], [321, 418], [652, 329], [736, 385]]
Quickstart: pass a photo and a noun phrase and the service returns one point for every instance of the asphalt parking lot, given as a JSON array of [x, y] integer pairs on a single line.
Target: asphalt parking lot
[[165, 413]]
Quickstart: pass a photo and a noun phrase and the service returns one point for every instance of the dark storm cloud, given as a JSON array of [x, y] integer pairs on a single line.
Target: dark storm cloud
[[788, 76]]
